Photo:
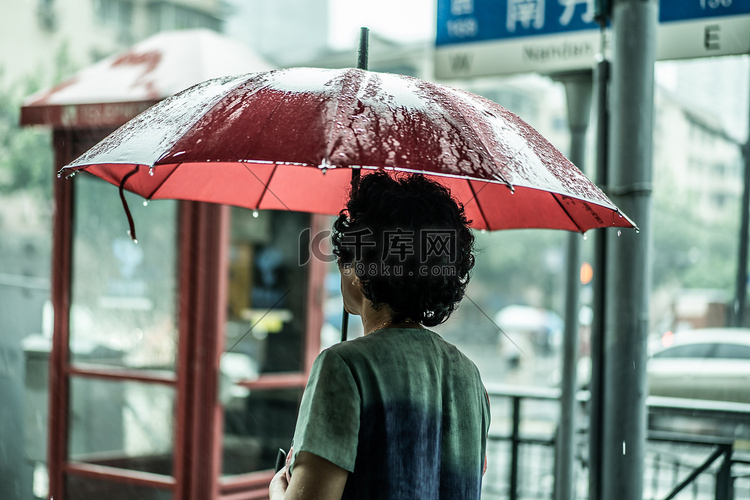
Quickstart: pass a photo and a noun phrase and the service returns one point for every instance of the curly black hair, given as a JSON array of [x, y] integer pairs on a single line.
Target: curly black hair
[[409, 242]]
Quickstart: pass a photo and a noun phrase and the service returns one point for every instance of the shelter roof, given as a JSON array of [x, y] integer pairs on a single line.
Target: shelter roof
[[115, 89]]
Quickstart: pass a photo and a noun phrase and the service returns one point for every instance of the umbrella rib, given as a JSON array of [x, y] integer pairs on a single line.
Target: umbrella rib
[[256, 323], [164, 181], [495, 324], [326, 158], [479, 206], [554, 196], [481, 143], [265, 186]]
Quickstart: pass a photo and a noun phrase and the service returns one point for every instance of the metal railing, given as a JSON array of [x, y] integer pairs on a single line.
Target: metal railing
[[695, 448]]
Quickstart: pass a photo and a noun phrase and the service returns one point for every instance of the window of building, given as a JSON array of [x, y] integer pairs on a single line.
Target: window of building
[[168, 16], [117, 14]]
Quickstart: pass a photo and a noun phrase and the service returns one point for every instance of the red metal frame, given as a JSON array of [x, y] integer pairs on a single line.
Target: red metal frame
[[57, 441], [315, 297], [120, 475], [123, 374], [203, 245]]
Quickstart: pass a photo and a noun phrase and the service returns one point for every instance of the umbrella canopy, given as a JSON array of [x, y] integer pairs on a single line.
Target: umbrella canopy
[[287, 139]]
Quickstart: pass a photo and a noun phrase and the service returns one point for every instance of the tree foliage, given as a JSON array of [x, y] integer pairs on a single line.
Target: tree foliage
[[690, 252], [25, 153], [26, 160]]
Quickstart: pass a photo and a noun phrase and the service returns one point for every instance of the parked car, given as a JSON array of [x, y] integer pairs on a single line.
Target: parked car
[[542, 327], [711, 364]]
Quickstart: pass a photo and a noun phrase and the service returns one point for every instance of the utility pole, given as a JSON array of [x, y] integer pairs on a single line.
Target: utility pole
[[578, 88], [738, 316], [596, 342], [634, 25]]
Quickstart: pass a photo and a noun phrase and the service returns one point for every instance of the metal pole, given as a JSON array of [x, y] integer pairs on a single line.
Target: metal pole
[[362, 62], [364, 44], [738, 318], [628, 257], [600, 291], [515, 441], [724, 487], [578, 94]]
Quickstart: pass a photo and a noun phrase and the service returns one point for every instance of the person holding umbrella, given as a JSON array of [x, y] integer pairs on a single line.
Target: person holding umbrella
[[399, 413]]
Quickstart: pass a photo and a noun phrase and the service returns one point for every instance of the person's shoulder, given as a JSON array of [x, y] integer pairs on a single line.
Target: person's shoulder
[[348, 348], [455, 354], [369, 345]]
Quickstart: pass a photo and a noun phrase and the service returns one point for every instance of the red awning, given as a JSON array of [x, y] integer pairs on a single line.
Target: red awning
[[114, 90]]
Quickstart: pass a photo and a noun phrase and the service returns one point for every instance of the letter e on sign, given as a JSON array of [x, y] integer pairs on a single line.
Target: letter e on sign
[[711, 37]]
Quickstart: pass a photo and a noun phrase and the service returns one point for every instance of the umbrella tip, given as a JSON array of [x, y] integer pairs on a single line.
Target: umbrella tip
[[364, 34]]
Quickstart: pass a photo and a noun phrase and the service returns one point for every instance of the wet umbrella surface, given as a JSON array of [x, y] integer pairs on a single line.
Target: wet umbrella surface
[[287, 139]]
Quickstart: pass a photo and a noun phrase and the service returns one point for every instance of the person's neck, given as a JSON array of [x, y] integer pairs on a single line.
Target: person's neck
[[382, 318], [376, 319]]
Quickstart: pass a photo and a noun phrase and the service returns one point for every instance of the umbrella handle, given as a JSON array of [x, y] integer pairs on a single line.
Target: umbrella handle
[[344, 325], [361, 64], [127, 176]]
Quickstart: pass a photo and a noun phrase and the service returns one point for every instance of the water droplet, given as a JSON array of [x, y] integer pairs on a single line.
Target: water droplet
[[59, 175], [623, 448], [255, 214], [619, 232], [151, 171], [483, 231], [72, 174], [145, 203], [585, 236], [637, 230], [324, 170]]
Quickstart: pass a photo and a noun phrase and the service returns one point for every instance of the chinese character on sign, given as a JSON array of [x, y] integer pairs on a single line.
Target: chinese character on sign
[[399, 243], [461, 7], [525, 12], [438, 243], [570, 7]]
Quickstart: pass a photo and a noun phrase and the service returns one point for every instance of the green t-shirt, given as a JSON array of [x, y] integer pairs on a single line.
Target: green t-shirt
[[403, 411]]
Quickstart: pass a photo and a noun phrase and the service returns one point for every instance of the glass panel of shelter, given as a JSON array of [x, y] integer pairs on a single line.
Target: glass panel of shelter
[[124, 295], [123, 325], [265, 332]]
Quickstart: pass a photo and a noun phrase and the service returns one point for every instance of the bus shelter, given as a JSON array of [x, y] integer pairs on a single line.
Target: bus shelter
[[177, 363]]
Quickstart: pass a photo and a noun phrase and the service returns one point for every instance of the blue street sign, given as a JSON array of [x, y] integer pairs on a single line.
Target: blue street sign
[[494, 37], [683, 10], [461, 21]]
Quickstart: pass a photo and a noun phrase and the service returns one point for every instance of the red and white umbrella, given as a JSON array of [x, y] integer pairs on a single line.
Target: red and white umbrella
[[288, 139]]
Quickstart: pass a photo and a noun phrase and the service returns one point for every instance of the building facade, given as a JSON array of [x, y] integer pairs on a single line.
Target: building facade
[[39, 36], [695, 159]]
